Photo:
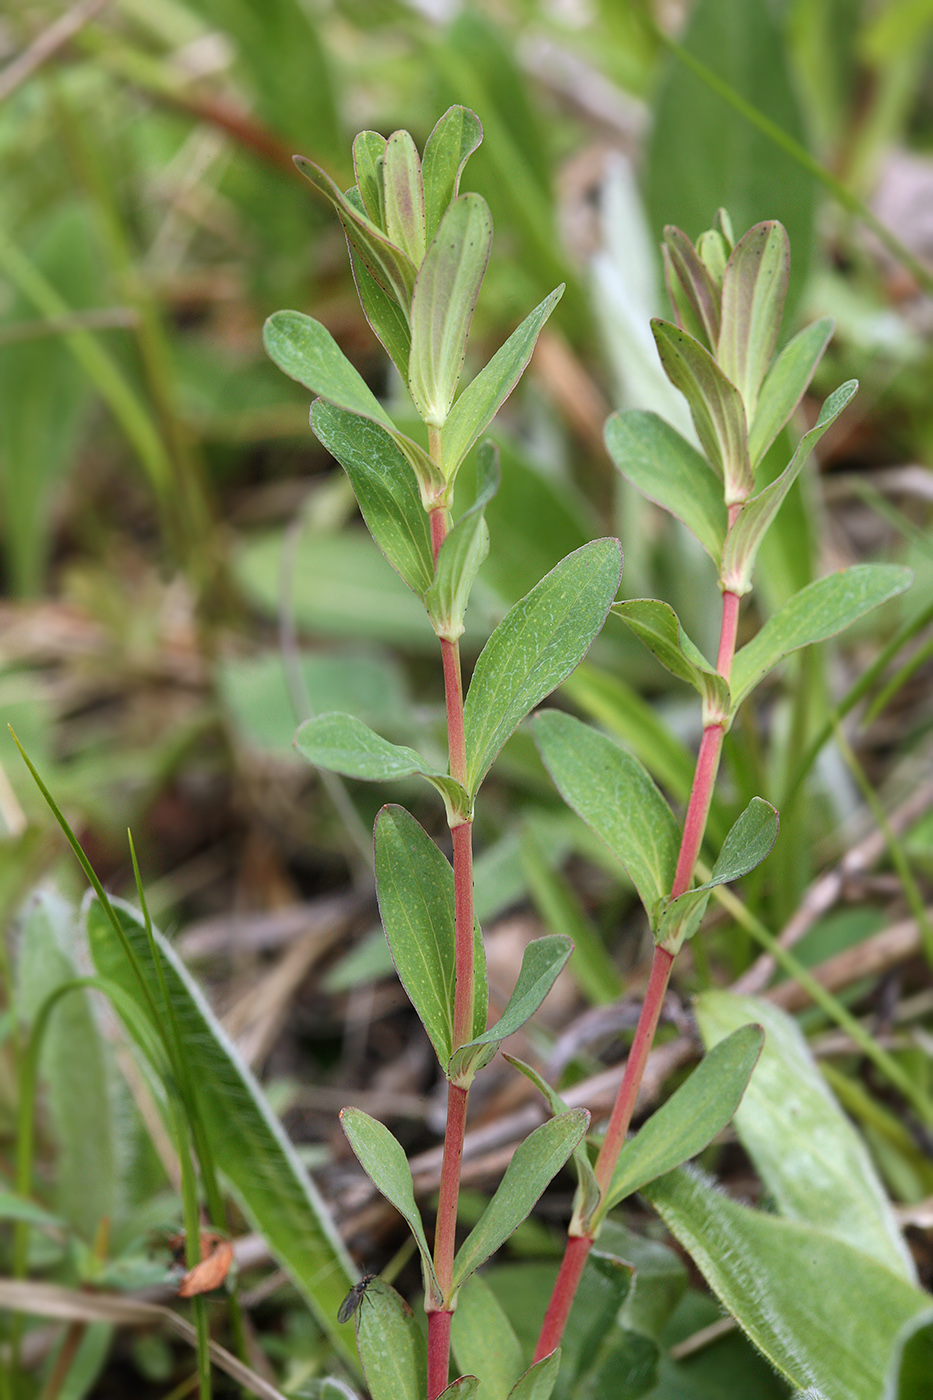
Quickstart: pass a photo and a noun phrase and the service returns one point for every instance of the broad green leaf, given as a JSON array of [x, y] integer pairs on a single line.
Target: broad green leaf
[[387, 263], [660, 1277], [484, 396], [688, 277], [454, 139], [385, 488], [535, 647], [690, 1119], [542, 963], [614, 795], [587, 1197], [702, 154], [307, 352], [415, 887], [344, 744], [748, 843], [383, 1159], [625, 1365], [912, 1361], [823, 608], [273, 1188], [658, 626], [391, 1345], [403, 194], [458, 563], [369, 149], [824, 1314], [741, 547], [715, 406], [785, 385], [539, 1380], [754, 287], [483, 1340], [75, 1068], [809, 1155], [664, 467], [13, 1207], [534, 1163], [442, 307]]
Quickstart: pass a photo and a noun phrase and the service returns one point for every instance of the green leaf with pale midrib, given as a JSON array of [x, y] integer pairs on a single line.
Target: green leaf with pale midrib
[[484, 1341], [536, 646], [785, 384], [823, 1313], [813, 1162], [664, 467], [446, 290], [247, 1141], [690, 1119], [614, 795], [385, 487], [823, 608], [307, 352], [534, 1163], [383, 1159], [542, 962], [482, 398], [754, 287], [415, 887], [391, 1345], [658, 627]]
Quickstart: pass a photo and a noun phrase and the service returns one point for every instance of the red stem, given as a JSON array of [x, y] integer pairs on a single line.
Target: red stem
[[701, 795], [438, 1352]]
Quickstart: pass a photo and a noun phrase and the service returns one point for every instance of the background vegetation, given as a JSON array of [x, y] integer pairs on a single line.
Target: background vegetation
[[185, 575]]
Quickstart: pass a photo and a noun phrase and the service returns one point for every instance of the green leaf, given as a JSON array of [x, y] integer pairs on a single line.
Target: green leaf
[[785, 385], [455, 137], [535, 647], [442, 307], [702, 154], [824, 1314], [463, 1388], [693, 282], [391, 1345], [383, 1159], [415, 887], [458, 562], [823, 608], [386, 318], [741, 547], [754, 287], [748, 843], [539, 1380], [664, 467], [912, 1361], [534, 1163], [385, 488], [13, 1207], [273, 1188], [403, 194], [614, 795], [715, 406], [344, 744], [542, 962], [387, 263], [75, 1067], [369, 150], [483, 1340], [690, 1119], [307, 352], [810, 1157], [484, 396], [587, 1197], [658, 626]]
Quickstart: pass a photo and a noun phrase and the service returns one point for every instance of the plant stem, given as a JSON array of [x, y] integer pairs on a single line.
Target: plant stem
[[701, 795], [464, 995]]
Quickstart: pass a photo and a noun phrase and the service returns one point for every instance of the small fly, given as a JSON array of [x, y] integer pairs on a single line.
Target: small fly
[[353, 1299]]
